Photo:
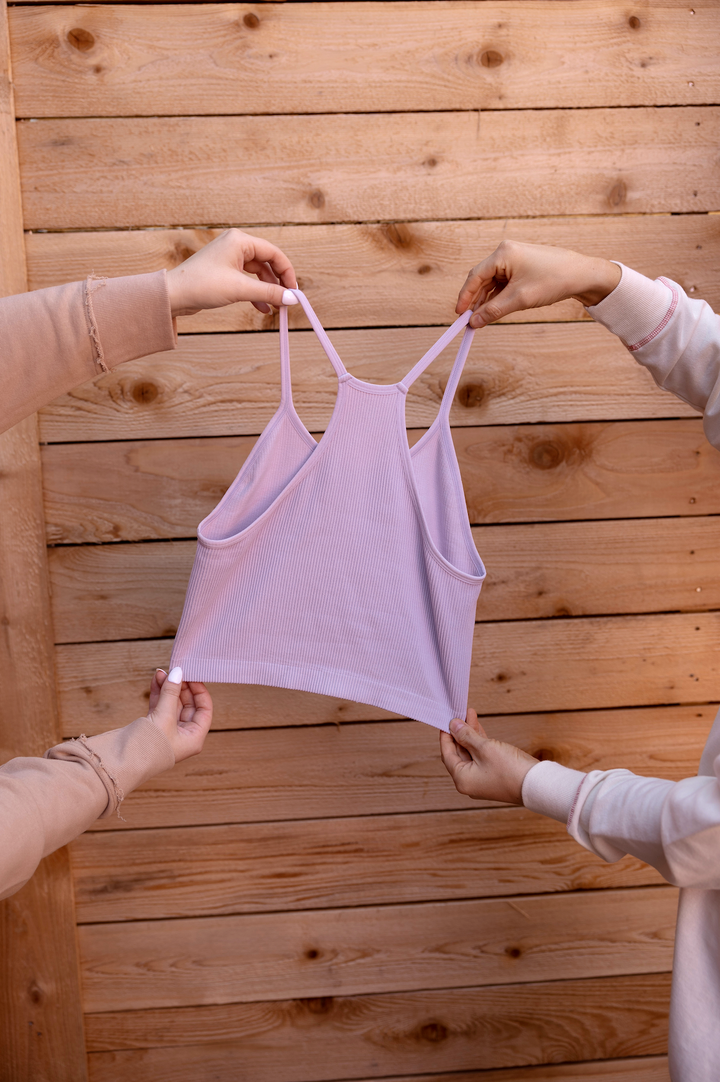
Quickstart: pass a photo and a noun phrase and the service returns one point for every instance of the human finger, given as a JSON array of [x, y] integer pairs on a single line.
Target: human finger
[[471, 739], [266, 252], [256, 290], [158, 679], [265, 273], [450, 754]]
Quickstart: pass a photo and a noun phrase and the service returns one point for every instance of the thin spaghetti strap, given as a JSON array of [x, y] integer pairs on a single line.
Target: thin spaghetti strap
[[285, 380], [316, 325], [457, 369], [436, 350]]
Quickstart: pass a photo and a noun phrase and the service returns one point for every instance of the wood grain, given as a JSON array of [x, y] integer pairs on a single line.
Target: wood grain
[[41, 1031], [592, 662], [393, 273], [319, 863], [218, 385], [179, 963], [136, 591], [388, 767], [153, 489], [637, 1069], [234, 58], [145, 171], [336, 1037]]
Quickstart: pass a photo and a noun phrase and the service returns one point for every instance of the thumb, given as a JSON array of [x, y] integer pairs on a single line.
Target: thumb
[[169, 697], [466, 736], [252, 289], [510, 299]]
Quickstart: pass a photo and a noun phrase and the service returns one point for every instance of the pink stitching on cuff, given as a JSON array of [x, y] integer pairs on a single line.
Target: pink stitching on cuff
[[93, 283], [575, 800], [666, 319]]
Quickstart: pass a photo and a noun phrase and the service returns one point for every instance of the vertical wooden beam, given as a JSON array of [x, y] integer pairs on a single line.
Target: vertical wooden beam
[[41, 1031]]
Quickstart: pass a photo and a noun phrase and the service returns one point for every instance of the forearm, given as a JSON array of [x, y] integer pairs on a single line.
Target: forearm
[[51, 340], [673, 826], [45, 803], [676, 338]]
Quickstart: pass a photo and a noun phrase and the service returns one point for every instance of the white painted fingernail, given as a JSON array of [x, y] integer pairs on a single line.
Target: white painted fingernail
[[289, 297], [175, 676]]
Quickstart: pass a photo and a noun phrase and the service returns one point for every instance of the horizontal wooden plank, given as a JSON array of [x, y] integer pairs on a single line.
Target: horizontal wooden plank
[[147, 490], [331, 1038], [136, 591], [230, 384], [234, 58], [319, 863], [179, 963], [584, 663], [394, 273], [151, 171], [388, 767], [637, 1069]]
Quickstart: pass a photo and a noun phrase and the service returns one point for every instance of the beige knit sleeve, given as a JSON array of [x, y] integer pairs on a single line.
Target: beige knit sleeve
[[51, 340], [45, 803]]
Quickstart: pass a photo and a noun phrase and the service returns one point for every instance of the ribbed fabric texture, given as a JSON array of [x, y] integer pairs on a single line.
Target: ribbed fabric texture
[[346, 567]]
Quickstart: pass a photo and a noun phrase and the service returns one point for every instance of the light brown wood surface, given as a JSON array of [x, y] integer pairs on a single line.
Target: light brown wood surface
[[387, 767], [112, 173], [309, 1040], [137, 591], [360, 951], [246, 58], [319, 863], [152, 489], [41, 1031], [592, 662], [230, 384], [394, 273], [638, 1069]]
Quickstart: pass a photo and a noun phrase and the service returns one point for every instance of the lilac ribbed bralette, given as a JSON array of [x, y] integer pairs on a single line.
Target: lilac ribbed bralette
[[344, 567]]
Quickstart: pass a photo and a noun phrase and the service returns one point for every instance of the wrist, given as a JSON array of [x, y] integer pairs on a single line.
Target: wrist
[[602, 278]]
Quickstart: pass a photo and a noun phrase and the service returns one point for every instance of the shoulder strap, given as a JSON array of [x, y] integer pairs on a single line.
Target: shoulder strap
[[436, 350], [325, 342]]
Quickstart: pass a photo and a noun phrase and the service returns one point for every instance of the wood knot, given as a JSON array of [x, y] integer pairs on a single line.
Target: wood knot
[[319, 1005], [491, 58], [434, 1032], [618, 193], [316, 199], [182, 252], [80, 39], [471, 395], [545, 755], [424, 269], [634, 23], [312, 953], [35, 993], [547, 455], [398, 234], [513, 952], [251, 21], [145, 392], [430, 162], [501, 678]]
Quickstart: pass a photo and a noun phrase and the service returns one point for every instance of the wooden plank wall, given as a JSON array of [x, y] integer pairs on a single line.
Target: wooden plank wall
[[311, 900]]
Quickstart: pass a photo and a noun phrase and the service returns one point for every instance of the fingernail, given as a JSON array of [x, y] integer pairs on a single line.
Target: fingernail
[[162, 671], [289, 297], [456, 725], [175, 676]]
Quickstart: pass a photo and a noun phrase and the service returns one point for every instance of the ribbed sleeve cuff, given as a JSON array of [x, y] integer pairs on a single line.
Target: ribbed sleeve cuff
[[637, 308], [122, 758], [550, 789], [131, 317]]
